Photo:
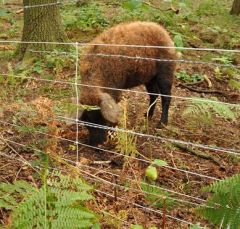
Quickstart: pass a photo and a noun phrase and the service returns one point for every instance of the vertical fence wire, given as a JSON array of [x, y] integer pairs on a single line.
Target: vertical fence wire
[[77, 102]]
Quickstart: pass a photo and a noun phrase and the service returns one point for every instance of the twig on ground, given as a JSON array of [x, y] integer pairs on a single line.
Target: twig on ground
[[19, 11], [199, 154], [208, 81], [200, 90], [176, 11], [195, 83]]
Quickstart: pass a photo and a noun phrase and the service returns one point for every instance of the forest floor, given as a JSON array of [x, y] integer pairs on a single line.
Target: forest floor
[[30, 111]]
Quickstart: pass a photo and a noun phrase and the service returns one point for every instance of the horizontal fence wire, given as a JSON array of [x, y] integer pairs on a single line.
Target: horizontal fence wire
[[76, 84], [105, 181], [37, 42], [110, 173], [150, 185], [41, 5], [132, 189], [115, 175], [222, 150], [113, 152], [32, 6], [161, 60], [120, 45], [161, 47], [119, 198], [22, 160], [106, 55], [145, 208], [123, 90], [25, 162]]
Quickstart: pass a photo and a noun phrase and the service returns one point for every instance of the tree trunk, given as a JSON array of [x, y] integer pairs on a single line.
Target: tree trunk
[[42, 23], [235, 7], [80, 3]]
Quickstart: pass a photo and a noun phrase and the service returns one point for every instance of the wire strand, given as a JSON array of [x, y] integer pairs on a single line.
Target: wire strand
[[133, 189], [116, 175], [22, 158], [161, 60], [143, 58], [123, 45], [41, 5], [23, 161], [145, 208], [126, 90], [113, 152], [222, 150]]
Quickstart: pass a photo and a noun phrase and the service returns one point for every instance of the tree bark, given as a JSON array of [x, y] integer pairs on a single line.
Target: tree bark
[[235, 8], [42, 23]]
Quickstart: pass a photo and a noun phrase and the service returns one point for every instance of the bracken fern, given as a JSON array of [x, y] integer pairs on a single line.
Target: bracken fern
[[60, 205], [203, 111], [223, 208]]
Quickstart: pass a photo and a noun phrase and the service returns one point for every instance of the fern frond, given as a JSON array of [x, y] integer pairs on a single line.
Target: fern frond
[[224, 111], [81, 186], [224, 184], [223, 208], [7, 192], [60, 205], [199, 111], [62, 223], [76, 213], [66, 197], [204, 111], [58, 180], [30, 210], [156, 196]]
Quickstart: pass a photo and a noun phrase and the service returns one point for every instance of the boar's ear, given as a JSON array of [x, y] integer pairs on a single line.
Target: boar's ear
[[109, 108]]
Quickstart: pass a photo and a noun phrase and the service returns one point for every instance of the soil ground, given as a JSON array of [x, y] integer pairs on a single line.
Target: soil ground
[[103, 168]]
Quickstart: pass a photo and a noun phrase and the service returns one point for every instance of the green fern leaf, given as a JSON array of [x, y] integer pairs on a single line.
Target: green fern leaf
[[156, 196], [204, 111], [223, 208], [59, 205], [61, 223]]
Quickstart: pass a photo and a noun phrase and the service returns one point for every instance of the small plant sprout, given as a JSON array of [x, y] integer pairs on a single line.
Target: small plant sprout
[[151, 171]]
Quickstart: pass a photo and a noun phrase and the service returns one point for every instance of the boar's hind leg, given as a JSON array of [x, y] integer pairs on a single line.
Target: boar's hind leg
[[165, 86], [152, 87]]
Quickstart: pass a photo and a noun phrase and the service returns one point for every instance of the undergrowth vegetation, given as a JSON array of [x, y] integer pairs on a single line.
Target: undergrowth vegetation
[[223, 206], [34, 195], [58, 203], [205, 112]]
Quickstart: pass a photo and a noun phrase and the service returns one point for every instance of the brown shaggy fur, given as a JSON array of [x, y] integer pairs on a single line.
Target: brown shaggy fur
[[120, 72], [117, 72]]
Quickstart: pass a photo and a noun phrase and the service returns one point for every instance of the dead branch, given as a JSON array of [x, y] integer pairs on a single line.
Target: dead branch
[[195, 83], [6, 48], [199, 154], [208, 81], [202, 90], [19, 11], [176, 11]]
